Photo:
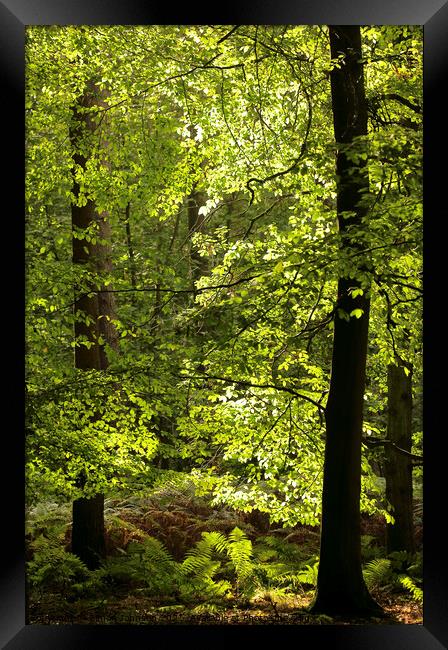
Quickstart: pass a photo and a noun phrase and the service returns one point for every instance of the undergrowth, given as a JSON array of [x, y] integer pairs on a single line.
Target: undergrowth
[[216, 559]]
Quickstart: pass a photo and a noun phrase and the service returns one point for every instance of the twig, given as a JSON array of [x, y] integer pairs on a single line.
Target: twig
[[250, 384]]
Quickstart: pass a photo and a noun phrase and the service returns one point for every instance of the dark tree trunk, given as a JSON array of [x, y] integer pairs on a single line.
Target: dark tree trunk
[[88, 541], [340, 585], [198, 264], [398, 467], [130, 246]]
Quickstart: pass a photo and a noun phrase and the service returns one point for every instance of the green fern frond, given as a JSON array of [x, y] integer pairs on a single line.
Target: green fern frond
[[200, 567], [239, 549], [399, 559], [216, 541], [377, 572], [271, 546], [415, 590], [153, 552], [198, 562], [309, 574], [206, 608], [272, 596]]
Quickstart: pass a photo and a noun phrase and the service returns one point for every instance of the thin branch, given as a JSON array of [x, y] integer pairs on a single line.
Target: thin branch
[[265, 212], [379, 442], [271, 428], [294, 164], [232, 31], [402, 100], [160, 290], [243, 153], [285, 389]]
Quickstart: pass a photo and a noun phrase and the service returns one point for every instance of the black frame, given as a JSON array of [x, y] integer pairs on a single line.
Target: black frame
[[433, 15]]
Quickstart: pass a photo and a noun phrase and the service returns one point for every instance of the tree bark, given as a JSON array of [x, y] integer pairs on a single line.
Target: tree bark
[[340, 585], [198, 264], [398, 468], [130, 246], [93, 313]]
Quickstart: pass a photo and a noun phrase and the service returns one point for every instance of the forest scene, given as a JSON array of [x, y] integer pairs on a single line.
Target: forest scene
[[223, 392]]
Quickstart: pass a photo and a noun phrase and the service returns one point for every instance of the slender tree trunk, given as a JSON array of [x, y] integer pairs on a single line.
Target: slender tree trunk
[[130, 246], [340, 585], [198, 264], [400, 535], [93, 313]]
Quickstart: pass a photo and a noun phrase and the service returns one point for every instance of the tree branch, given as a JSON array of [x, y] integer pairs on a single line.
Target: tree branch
[[378, 442], [249, 384], [402, 100], [226, 36]]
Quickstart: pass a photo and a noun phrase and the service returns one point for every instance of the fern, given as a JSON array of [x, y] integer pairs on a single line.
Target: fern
[[151, 562], [400, 559], [200, 567], [272, 596], [207, 608], [199, 558], [239, 549], [274, 547], [201, 564], [216, 540], [378, 572], [54, 569], [415, 591], [48, 519], [309, 574], [400, 570], [369, 548], [154, 553], [278, 562]]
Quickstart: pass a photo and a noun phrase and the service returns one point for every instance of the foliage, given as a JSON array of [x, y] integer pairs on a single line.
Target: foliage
[[218, 571], [212, 159], [415, 590], [54, 569], [218, 567], [400, 570], [94, 431]]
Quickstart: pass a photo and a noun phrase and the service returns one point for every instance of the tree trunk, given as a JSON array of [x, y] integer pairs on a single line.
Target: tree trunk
[[93, 314], [340, 585], [198, 264], [130, 246], [400, 535], [88, 541]]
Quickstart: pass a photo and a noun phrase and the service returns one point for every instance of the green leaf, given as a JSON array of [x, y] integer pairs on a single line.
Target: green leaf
[[343, 314]]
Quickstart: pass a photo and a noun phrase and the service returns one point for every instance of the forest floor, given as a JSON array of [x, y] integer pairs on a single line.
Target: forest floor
[[137, 610], [178, 521]]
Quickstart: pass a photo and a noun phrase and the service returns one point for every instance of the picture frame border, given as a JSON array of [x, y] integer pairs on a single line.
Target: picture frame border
[[15, 634]]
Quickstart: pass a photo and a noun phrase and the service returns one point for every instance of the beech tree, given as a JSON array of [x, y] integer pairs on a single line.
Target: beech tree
[[398, 468], [94, 308], [340, 585]]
